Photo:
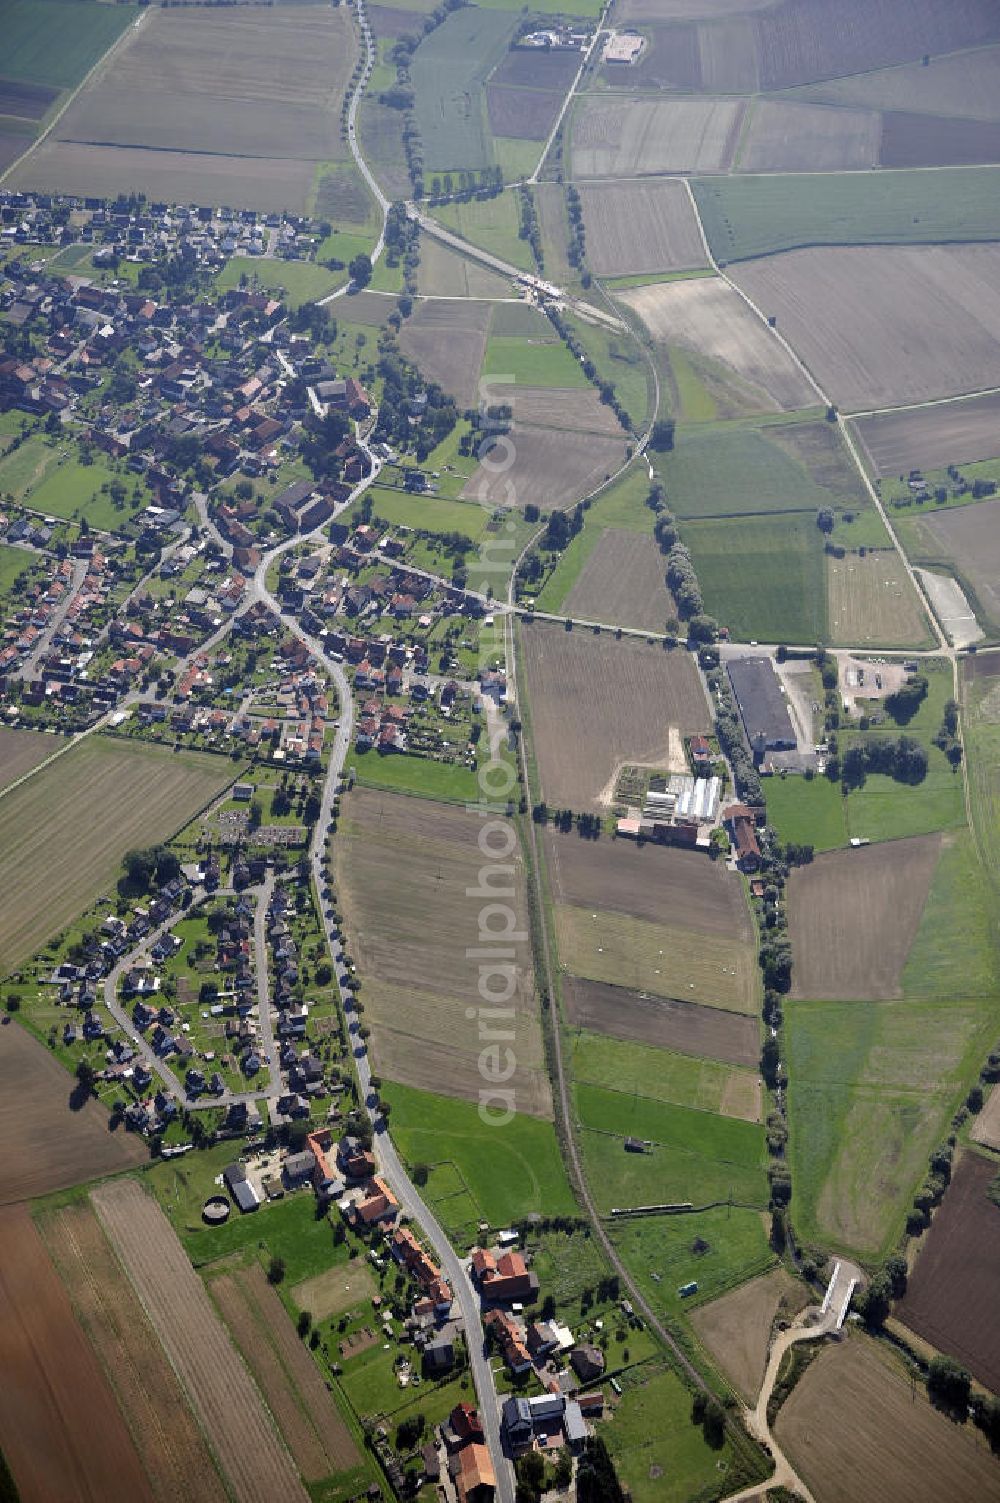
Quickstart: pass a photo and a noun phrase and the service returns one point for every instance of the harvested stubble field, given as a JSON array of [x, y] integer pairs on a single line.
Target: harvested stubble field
[[61, 1432], [552, 468], [931, 438], [173, 1449], [633, 228], [47, 1145], [20, 751], [705, 1032], [871, 602], [952, 1298], [968, 538], [573, 407], [410, 925], [447, 340], [856, 1427], [791, 137], [246, 82], [623, 583], [615, 137], [208, 106], [851, 311], [64, 837], [705, 316], [654, 919], [660, 958], [219, 1387], [736, 1328], [598, 704], [286, 1374], [853, 916]]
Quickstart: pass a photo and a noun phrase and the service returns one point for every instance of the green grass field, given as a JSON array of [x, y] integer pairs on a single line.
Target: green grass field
[[530, 364], [492, 224], [736, 470], [959, 919], [763, 577], [47, 476], [295, 282], [886, 810], [453, 783], [872, 1087], [981, 723], [13, 563], [448, 71], [73, 490], [57, 43], [506, 1171], [663, 1245], [678, 1079], [429, 513], [286, 1228], [757, 216], [807, 812], [658, 1453], [697, 1156]]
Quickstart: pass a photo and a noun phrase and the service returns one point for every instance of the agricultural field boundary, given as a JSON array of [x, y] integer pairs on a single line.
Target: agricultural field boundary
[[70, 98]]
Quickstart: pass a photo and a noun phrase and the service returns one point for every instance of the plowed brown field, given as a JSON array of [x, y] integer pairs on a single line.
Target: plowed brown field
[[46, 1145], [598, 704], [60, 1430]]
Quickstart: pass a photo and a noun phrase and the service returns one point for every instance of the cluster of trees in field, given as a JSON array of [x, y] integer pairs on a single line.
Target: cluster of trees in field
[[904, 760], [529, 228], [577, 250], [588, 826], [463, 185]]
